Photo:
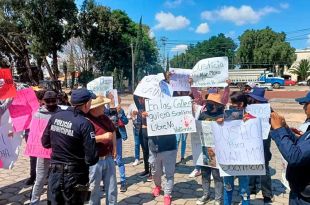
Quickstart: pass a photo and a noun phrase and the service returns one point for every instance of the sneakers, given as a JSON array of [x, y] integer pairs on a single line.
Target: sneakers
[[149, 178], [203, 200], [136, 162], [123, 187], [182, 161], [156, 191], [195, 173], [30, 181], [167, 200], [144, 174]]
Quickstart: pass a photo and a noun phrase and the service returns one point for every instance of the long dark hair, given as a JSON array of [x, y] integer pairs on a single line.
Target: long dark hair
[[238, 97]]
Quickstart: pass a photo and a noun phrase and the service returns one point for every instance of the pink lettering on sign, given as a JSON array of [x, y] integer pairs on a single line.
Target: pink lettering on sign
[[24, 105], [34, 146]]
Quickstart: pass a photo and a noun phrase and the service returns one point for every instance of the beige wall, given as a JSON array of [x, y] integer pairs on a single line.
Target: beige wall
[[301, 54]]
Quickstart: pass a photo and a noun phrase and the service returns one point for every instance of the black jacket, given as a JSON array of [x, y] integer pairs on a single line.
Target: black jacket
[[71, 137]]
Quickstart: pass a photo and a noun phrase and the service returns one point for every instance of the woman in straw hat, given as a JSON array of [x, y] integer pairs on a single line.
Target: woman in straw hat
[[105, 167]]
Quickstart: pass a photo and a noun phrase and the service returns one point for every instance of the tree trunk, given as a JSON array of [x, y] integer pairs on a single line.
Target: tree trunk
[[28, 66], [48, 67], [55, 64]]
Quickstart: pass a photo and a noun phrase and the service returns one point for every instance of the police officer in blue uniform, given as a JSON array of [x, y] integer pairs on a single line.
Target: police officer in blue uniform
[[296, 151], [72, 139]]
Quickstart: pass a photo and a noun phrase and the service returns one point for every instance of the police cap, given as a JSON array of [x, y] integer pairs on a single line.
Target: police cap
[[81, 96]]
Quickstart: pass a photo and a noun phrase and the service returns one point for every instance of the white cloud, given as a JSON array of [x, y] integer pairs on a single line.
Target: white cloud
[[170, 22], [179, 48], [202, 28], [239, 16], [151, 33], [173, 4], [284, 5], [176, 3]]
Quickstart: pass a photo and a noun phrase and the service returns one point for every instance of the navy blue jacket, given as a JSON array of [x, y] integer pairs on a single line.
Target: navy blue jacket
[[163, 143], [72, 138], [296, 151]]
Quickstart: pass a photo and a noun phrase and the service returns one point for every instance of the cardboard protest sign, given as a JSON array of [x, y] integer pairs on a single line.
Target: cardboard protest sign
[[9, 143], [203, 145], [169, 116], [101, 85], [238, 142], [179, 79], [152, 86], [210, 72], [34, 146], [261, 111], [22, 108], [242, 170], [7, 88]]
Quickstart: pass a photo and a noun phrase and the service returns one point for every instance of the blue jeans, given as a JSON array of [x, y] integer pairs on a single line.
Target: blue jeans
[[104, 169], [137, 143], [119, 159], [182, 138], [244, 190]]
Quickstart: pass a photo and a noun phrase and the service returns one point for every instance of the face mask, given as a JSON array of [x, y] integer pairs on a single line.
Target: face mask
[[51, 108]]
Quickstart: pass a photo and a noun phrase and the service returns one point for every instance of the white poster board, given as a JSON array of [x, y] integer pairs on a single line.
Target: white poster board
[[179, 79], [169, 116], [261, 111], [153, 86], [210, 72], [238, 142], [9, 145], [101, 85]]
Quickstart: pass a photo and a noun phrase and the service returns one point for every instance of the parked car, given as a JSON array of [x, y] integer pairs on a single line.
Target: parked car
[[289, 82], [304, 83]]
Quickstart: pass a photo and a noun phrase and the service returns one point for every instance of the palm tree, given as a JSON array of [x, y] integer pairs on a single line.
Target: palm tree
[[302, 69]]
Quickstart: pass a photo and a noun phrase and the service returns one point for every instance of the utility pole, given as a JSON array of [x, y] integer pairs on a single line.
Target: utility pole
[[163, 42], [132, 68]]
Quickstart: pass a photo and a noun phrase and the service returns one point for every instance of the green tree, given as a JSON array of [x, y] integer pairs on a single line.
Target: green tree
[[216, 46], [302, 69], [14, 39], [51, 24], [265, 48]]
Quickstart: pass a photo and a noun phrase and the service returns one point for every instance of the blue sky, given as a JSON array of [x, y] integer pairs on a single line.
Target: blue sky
[[188, 21]]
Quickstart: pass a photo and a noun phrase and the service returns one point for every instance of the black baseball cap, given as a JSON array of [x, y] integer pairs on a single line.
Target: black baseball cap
[[49, 95], [81, 96]]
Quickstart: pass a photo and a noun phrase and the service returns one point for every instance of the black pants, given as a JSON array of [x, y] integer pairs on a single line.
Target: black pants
[[145, 148], [61, 187]]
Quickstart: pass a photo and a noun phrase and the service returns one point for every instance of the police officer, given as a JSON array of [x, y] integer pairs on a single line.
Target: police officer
[[296, 151], [72, 139]]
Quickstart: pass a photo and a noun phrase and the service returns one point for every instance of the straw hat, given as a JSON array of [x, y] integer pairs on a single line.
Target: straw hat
[[215, 97], [99, 101]]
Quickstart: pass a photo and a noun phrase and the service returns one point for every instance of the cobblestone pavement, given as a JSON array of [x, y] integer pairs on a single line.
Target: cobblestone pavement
[[186, 190]]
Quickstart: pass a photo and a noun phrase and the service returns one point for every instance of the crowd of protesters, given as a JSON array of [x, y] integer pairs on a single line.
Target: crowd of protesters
[[86, 137]]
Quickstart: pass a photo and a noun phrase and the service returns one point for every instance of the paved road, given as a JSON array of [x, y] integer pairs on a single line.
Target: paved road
[[186, 190]]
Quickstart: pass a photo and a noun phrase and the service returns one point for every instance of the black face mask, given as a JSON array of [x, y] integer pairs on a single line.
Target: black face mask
[[214, 110], [52, 108]]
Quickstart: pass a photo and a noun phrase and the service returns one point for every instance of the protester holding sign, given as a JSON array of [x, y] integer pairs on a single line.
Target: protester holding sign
[[119, 119], [143, 137], [238, 102], [213, 111], [43, 164], [257, 97], [296, 151]]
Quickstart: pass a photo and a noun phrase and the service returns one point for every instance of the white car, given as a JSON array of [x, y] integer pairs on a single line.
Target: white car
[[304, 83]]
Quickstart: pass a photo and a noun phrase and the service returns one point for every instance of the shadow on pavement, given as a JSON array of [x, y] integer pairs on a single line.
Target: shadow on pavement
[[137, 199]]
